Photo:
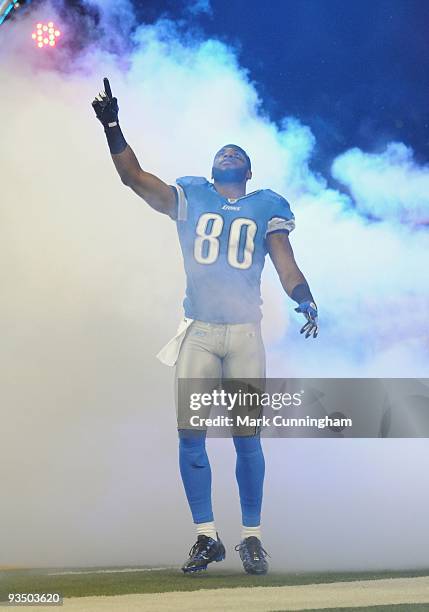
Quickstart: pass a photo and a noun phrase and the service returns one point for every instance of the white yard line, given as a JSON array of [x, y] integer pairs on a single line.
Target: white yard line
[[262, 599], [111, 571]]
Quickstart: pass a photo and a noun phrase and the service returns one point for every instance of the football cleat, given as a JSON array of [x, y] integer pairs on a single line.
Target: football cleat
[[253, 556], [204, 551]]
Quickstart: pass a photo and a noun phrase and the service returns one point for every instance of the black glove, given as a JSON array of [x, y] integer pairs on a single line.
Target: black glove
[[106, 106]]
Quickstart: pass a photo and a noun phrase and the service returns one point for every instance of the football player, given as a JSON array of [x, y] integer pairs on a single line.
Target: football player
[[225, 234]]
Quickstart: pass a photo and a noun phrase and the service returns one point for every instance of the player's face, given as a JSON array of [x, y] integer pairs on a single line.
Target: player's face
[[230, 166]]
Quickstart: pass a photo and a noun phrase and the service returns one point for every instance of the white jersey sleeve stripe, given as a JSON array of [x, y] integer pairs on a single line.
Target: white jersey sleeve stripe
[[279, 223], [182, 204]]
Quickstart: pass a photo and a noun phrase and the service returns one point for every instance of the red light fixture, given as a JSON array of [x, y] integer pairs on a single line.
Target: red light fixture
[[45, 35]]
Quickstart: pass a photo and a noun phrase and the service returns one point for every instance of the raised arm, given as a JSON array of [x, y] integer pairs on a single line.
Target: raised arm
[[293, 280], [154, 191]]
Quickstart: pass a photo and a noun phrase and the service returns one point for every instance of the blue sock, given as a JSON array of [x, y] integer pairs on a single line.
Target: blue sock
[[250, 470], [196, 474]]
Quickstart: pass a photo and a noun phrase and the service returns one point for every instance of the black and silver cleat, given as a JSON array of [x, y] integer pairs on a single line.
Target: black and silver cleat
[[204, 551], [253, 556]]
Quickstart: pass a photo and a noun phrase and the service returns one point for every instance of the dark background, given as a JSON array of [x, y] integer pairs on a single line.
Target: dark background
[[356, 72]]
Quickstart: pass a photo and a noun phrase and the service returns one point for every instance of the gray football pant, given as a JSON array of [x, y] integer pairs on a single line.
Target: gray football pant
[[216, 351]]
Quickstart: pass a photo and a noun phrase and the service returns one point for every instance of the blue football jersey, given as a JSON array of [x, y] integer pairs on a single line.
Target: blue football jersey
[[224, 248]]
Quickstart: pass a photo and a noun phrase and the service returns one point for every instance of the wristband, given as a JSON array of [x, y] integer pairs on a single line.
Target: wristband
[[302, 293], [115, 138]]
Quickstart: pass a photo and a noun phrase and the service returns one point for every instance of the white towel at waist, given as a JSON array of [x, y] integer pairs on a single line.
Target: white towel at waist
[[169, 353]]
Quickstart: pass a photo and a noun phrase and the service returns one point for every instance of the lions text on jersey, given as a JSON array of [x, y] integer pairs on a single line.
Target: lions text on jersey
[[224, 246]]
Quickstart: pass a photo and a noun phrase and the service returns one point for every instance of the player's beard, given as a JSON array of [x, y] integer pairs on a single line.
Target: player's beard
[[229, 175]]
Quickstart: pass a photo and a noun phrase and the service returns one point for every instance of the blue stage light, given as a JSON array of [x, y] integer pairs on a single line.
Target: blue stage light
[[5, 8]]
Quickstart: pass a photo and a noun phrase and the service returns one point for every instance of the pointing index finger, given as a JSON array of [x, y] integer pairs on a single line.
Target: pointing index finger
[[107, 87]]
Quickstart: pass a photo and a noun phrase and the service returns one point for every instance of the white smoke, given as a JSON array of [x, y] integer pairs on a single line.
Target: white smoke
[[92, 285], [388, 185]]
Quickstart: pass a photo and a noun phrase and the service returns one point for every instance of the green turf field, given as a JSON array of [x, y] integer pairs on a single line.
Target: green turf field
[[162, 581]]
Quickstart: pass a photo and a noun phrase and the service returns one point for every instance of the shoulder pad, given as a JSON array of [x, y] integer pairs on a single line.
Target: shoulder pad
[[275, 197], [184, 181]]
